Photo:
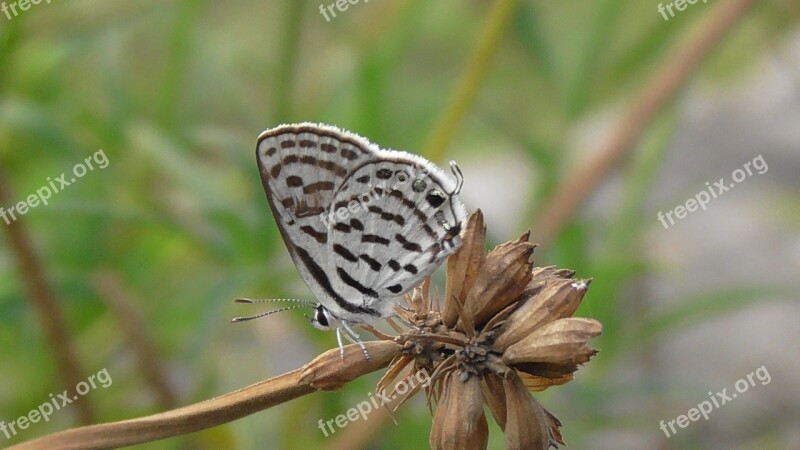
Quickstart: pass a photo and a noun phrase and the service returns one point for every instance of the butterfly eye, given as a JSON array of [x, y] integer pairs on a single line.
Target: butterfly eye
[[320, 319], [419, 186], [401, 175], [435, 198]]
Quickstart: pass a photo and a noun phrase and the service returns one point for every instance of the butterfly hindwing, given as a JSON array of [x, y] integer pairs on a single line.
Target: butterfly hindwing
[[362, 224], [385, 234]]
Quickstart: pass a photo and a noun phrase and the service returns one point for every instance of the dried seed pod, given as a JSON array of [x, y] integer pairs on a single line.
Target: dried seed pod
[[527, 427], [464, 426], [540, 383], [505, 329], [561, 342], [464, 266], [495, 397], [329, 371], [550, 298], [506, 272]]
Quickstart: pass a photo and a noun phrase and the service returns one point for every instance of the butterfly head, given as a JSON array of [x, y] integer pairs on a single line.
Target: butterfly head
[[323, 319]]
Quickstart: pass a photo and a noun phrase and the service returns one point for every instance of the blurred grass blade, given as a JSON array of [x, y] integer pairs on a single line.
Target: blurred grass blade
[[690, 311], [472, 79]]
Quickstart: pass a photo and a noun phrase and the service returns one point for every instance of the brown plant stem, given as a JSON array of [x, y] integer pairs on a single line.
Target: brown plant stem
[[45, 303], [327, 371], [361, 434], [134, 328], [662, 87]]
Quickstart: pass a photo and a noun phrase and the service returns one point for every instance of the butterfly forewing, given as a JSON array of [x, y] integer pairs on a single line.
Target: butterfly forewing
[[362, 225]]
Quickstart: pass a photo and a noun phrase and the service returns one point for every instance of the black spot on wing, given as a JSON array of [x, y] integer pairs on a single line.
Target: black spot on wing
[[276, 170], [421, 217], [348, 154], [410, 268], [387, 216], [322, 279], [318, 186], [327, 165], [395, 289], [374, 238], [294, 181], [350, 281], [373, 264], [410, 246], [303, 210], [435, 199], [320, 236], [343, 227], [344, 253], [305, 143], [356, 224], [310, 161]]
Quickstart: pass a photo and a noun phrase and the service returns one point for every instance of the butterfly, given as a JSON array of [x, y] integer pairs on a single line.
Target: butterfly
[[362, 224]]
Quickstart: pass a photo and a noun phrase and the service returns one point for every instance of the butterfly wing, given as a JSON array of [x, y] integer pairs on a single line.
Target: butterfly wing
[[301, 166], [353, 252], [393, 222]]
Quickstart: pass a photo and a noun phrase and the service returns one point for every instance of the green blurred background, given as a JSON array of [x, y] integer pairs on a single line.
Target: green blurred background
[[146, 255]]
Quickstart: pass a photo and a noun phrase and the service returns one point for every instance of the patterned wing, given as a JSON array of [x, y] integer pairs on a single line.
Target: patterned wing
[[392, 223], [301, 167], [362, 225]]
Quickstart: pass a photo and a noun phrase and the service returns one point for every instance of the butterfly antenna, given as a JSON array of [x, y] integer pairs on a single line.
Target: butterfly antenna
[[272, 300], [258, 316], [459, 177]]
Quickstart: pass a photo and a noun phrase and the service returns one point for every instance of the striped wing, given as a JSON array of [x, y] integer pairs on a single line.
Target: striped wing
[[390, 224], [311, 172]]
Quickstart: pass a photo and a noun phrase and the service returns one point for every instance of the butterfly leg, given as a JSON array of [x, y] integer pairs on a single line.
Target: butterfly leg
[[404, 307], [407, 322], [354, 338], [339, 340]]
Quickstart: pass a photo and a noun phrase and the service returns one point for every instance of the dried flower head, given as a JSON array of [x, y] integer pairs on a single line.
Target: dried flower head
[[505, 329]]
